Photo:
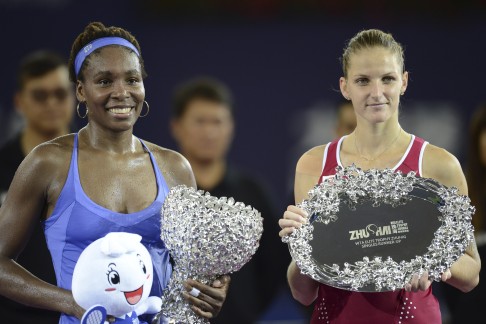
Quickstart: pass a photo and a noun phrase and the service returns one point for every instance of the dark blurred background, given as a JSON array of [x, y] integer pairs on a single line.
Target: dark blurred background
[[280, 58]]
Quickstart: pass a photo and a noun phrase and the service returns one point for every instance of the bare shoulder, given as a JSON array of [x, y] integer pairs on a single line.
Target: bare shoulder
[[173, 165], [444, 167], [311, 161], [51, 155]]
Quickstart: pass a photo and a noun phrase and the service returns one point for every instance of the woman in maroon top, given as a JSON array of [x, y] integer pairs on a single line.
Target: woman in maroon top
[[373, 80]]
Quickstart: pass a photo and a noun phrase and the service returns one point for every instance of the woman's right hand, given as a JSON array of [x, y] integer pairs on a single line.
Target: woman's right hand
[[292, 218]]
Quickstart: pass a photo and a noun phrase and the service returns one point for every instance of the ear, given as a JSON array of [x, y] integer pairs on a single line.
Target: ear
[[80, 91], [343, 85], [404, 82]]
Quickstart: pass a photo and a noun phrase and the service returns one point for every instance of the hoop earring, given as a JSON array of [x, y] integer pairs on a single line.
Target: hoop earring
[[77, 109], [148, 109]]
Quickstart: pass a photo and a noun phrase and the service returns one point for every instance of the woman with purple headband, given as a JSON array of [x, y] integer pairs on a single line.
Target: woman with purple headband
[[102, 179]]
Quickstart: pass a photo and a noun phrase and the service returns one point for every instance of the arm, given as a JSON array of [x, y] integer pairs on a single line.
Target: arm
[[25, 204], [442, 166], [304, 289]]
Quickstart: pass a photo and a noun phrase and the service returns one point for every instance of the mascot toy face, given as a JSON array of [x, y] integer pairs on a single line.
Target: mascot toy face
[[115, 272]]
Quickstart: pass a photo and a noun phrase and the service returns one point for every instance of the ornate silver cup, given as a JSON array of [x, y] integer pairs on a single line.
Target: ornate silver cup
[[207, 237]]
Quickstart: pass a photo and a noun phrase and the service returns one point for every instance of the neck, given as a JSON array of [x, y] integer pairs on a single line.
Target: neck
[[371, 142], [30, 137], [208, 173], [109, 141]]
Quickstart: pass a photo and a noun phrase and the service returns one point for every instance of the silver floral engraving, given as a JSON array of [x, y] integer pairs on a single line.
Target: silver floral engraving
[[207, 237], [353, 186]]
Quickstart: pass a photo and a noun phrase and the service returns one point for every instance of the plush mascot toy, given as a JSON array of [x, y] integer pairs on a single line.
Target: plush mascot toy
[[114, 276]]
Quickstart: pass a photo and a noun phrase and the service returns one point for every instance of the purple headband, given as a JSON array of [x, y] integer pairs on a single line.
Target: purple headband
[[98, 43]]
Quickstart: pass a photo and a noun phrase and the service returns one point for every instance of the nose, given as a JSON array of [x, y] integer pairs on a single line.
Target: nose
[[120, 90], [376, 89]]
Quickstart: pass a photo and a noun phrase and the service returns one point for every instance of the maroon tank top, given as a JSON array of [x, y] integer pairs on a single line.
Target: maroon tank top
[[338, 306]]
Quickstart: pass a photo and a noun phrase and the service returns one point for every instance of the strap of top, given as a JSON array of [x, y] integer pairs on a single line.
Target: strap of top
[[330, 162], [158, 175], [412, 161]]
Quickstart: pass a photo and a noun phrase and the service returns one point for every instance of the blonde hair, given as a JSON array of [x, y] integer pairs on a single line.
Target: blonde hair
[[368, 39]]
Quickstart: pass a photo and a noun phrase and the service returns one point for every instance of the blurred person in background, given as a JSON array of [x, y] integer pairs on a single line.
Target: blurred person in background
[[45, 101], [203, 126], [346, 119]]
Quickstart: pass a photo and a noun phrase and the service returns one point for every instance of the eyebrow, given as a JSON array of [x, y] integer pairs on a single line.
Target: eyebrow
[[112, 264], [367, 76], [109, 73]]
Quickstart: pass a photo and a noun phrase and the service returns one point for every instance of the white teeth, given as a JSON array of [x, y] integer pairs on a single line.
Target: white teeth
[[120, 110]]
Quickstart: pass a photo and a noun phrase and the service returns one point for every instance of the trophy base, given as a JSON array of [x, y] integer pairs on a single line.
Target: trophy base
[[174, 306]]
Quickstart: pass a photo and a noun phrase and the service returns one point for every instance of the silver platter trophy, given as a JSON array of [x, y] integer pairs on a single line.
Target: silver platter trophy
[[370, 231], [207, 237]]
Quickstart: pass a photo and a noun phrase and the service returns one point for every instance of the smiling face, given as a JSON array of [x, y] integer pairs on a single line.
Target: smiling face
[[119, 280], [374, 83], [112, 88], [127, 281]]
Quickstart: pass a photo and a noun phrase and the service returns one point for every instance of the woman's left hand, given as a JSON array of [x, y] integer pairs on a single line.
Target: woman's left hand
[[422, 282], [210, 299], [418, 282]]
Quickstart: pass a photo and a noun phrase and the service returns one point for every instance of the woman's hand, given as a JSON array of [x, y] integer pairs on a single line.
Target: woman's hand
[[418, 283], [210, 299], [422, 282], [292, 218]]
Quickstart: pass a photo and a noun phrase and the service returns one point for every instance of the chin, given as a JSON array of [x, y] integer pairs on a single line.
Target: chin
[[379, 118], [121, 127], [206, 158]]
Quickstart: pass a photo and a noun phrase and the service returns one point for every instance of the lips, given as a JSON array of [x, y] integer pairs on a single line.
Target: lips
[[134, 297]]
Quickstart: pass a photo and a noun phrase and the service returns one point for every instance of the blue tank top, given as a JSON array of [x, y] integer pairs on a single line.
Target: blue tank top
[[77, 221]]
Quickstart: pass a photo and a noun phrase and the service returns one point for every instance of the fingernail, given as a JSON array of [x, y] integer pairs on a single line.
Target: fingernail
[[217, 283]]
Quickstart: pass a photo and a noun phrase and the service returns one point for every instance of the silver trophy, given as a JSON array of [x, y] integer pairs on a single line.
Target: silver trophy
[[207, 237], [372, 230]]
